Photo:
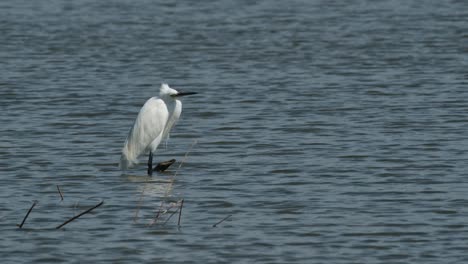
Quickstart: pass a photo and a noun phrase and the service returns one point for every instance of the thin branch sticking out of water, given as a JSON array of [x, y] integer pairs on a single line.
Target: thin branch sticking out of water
[[27, 214], [60, 192], [77, 216], [160, 212], [180, 211], [222, 220]]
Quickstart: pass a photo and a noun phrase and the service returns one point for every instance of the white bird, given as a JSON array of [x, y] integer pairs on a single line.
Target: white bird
[[152, 125]]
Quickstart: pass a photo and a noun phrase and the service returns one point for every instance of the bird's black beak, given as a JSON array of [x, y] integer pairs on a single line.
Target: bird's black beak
[[182, 93]]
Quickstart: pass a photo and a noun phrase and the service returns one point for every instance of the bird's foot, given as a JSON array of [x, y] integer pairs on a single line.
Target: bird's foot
[[162, 166]]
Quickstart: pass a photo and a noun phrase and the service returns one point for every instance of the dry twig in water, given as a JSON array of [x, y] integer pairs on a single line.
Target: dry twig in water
[[159, 212], [172, 181], [166, 193], [173, 213], [60, 192], [27, 214], [180, 211], [222, 220], [77, 216]]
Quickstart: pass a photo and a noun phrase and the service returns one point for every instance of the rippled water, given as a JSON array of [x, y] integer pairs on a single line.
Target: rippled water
[[331, 131]]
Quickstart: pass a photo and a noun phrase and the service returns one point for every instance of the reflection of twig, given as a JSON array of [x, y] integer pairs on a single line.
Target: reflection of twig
[[222, 220], [27, 214], [180, 211], [61, 196], [77, 216]]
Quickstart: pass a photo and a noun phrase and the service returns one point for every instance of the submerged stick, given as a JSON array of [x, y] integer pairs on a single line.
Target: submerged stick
[[27, 214], [77, 216], [60, 192], [180, 211], [222, 220]]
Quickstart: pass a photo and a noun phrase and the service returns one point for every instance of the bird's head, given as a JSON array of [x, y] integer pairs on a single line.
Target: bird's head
[[166, 91]]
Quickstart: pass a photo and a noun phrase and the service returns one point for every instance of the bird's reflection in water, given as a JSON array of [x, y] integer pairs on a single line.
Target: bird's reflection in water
[[153, 186]]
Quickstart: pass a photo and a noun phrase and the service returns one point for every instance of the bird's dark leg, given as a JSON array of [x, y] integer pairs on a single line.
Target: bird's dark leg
[[150, 164]]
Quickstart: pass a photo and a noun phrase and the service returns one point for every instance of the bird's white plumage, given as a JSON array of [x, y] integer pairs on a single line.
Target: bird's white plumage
[[152, 125]]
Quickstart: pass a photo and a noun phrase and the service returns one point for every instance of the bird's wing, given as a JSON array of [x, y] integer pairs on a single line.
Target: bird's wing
[[148, 127]]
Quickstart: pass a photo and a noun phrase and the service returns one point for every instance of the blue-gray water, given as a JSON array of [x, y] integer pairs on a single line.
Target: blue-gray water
[[331, 131]]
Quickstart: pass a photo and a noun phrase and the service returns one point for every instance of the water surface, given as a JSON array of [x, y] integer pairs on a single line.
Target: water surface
[[331, 131]]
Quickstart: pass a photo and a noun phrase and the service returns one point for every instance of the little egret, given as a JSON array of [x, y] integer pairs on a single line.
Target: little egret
[[152, 125]]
